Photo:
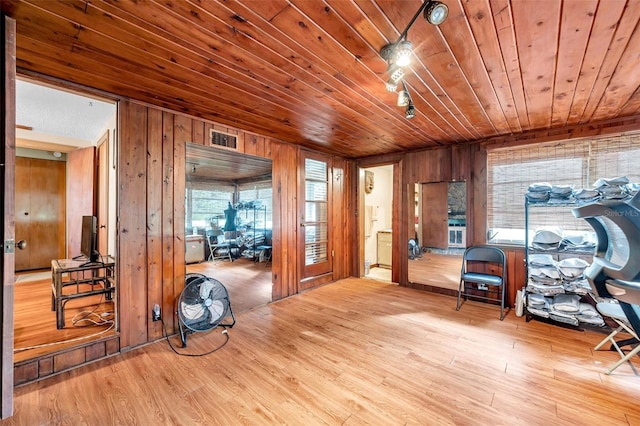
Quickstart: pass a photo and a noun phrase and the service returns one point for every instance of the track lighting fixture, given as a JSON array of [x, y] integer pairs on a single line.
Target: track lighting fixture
[[402, 53], [404, 98], [410, 112], [398, 54], [395, 75], [435, 13]]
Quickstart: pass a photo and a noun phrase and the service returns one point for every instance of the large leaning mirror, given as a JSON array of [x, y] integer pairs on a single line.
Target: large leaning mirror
[[438, 239], [65, 292]]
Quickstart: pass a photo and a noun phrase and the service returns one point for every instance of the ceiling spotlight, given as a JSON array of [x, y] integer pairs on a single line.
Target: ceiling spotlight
[[392, 86], [403, 96], [410, 112], [402, 53], [436, 12], [395, 72]]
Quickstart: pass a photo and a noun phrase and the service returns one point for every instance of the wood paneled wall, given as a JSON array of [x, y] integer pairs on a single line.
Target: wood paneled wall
[[455, 163], [151, 176]]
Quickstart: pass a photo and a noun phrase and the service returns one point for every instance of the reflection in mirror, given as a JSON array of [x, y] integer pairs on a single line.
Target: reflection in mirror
[[65, 172], [439, 237]]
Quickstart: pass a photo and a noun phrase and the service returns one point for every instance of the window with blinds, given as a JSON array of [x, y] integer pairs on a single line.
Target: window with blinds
[[510, 171], [205, 206], [316, 211], [262, 192]]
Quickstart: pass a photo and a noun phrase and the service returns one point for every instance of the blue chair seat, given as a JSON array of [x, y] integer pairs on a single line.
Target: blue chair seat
[[478, 278]]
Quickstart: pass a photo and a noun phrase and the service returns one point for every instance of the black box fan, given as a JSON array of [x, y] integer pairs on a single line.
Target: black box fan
[[203, 305]]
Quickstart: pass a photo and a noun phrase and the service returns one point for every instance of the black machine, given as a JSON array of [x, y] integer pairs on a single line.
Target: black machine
[[615, 271], [89, 239]]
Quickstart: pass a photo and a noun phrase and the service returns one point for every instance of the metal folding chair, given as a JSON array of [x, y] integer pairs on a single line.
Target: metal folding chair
[[488, 280], [615, 312]]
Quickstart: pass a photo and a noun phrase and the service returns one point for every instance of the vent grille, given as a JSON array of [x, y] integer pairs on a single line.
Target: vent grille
[[222, 139]]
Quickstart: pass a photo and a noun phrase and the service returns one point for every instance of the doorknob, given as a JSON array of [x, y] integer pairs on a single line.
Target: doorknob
[[22, 244]]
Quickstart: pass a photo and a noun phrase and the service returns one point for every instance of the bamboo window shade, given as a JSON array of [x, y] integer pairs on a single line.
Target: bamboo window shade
[[578, 163]]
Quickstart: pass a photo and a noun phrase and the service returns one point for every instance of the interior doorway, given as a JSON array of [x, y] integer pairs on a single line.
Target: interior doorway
[[58, 135], [377, 237], [229, 222]]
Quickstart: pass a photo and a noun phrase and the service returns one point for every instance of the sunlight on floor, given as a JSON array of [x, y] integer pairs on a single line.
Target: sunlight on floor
[[382, 274]]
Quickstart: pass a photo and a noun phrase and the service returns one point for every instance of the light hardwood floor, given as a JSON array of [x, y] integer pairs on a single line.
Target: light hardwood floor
[[248, 284], [35, 331], [438, 270], [354, 352]]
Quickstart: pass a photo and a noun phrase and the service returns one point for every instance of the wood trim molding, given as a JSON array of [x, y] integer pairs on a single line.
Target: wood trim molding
[[35, 369], [7, 157], [617, 126]]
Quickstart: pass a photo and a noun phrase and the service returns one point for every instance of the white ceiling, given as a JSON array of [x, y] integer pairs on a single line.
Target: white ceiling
[[55, 112]]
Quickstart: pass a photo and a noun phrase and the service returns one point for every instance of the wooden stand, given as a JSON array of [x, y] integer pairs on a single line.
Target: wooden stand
[[72, 279]]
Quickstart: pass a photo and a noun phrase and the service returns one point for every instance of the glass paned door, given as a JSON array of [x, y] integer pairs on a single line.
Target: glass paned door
[[315, 220]]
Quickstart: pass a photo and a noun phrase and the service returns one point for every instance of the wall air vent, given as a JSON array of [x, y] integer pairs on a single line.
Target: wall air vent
[[222, 139]]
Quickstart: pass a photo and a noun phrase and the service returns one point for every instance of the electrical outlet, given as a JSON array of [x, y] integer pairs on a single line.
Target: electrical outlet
[[155, 312]]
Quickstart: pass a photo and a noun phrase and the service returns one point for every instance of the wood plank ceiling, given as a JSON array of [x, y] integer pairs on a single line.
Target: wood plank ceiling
[[309, 72]]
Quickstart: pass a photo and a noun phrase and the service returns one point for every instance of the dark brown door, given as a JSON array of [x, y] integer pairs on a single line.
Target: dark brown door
[[435, 229], [81, 199], [316, 215], [103, 194], [40, 212]]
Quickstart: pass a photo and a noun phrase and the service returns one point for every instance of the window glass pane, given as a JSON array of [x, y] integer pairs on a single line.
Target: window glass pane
[[207, 207], [315, 233], [316, 190], [315, 253], [315, 170], [316, 212], [263, 194]]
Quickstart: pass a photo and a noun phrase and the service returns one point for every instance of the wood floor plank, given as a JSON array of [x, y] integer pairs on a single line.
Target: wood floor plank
[[354, 352]]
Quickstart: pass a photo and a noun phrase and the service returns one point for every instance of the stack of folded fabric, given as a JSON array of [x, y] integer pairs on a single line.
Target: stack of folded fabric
[[577, 243], [612, 189], [564, 308], [572, 268], [586, 195], [538, 304], [561, 194], [544, 274], [547, 239], [538, 192], [541, 260], [544, 279], [580, 286], [588, 314], [544, 289], [632, 188]]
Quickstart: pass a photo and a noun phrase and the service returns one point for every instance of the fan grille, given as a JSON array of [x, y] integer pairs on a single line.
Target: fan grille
[[203, 304]]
